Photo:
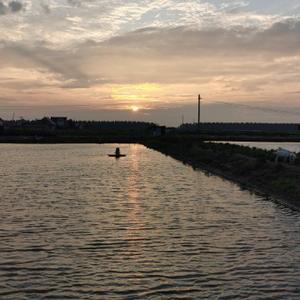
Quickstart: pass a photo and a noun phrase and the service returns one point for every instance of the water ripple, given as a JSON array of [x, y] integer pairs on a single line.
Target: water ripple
[[78, 225]]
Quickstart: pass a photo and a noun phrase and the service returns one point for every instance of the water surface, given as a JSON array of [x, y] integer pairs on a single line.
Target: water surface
[[76, 224]]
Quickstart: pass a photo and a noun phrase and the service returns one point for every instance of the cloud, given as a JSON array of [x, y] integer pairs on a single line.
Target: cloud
[[180, 54], [46, 8], [79, 3], [3, 8], [84, 49], [74, 2], [11, 7], [15, 6], [220, 63], [103, 19]]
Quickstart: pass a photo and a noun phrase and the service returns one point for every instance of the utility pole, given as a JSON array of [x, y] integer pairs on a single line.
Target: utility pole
[[199, 110]]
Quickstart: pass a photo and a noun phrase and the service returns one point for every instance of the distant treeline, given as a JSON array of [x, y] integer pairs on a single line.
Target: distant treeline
[[246, 127], [115, 125], [61, 126], [69, 123]]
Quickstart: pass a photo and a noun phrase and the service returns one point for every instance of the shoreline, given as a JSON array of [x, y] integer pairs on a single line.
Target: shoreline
[[263, 186], [136, 138]]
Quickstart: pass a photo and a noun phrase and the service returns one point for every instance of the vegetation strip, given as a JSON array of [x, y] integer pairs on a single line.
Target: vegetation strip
[[252, 167]]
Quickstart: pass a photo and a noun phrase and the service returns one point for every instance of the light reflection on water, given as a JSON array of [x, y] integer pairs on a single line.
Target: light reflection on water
[[76, 224]]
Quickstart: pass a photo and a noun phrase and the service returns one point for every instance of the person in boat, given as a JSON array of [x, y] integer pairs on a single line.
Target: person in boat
[[117, 152]]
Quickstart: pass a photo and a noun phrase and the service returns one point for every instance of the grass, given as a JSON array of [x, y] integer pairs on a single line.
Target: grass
[[249, 166]]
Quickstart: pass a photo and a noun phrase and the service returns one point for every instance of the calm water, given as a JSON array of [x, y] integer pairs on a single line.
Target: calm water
[[76, 224], [294, 147]]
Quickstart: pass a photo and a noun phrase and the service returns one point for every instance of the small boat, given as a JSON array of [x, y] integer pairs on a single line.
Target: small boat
[[117, 154]]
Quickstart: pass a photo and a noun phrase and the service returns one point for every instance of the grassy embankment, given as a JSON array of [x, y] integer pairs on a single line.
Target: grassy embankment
[[252, 167]]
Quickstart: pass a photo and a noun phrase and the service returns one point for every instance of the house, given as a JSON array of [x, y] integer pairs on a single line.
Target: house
[[47, 123], [60, 122], [157, 130]]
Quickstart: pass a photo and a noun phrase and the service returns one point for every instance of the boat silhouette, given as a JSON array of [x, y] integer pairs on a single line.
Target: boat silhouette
[[117, 154]]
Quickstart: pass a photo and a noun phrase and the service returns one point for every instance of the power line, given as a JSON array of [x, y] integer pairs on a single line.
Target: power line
[[199, 109]]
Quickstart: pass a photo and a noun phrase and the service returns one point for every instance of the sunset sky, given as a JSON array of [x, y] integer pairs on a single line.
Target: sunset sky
[[148, 60]]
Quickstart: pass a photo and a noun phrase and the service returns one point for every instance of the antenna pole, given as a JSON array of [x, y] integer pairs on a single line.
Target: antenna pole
[[199, 110]]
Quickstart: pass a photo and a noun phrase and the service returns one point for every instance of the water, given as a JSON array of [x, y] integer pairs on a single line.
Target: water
[[294, 147], [76, 224]]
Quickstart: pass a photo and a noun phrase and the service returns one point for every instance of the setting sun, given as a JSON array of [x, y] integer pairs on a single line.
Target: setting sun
[[135, 108]]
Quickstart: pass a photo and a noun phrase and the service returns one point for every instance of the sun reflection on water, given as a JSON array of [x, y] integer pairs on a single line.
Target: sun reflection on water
[[135, 226]]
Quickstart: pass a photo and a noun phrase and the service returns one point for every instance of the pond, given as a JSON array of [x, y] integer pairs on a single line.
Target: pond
[[77, 224]]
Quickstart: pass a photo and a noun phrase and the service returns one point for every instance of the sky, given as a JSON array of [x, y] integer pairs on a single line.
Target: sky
[[148, 60]]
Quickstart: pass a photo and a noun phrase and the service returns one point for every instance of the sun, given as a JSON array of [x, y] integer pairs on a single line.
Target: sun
[[135, 108]]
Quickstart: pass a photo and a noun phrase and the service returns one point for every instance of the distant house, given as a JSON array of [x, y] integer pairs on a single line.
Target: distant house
[[60, 122], [48, 124], [157, 130], [44, 124]]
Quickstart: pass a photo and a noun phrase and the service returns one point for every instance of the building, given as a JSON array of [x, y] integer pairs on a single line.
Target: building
[[157, 130], [47, 123], [60, 122]]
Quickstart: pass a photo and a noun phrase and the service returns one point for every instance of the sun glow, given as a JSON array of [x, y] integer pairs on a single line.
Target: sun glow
[[135, 92], [135, 108]]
